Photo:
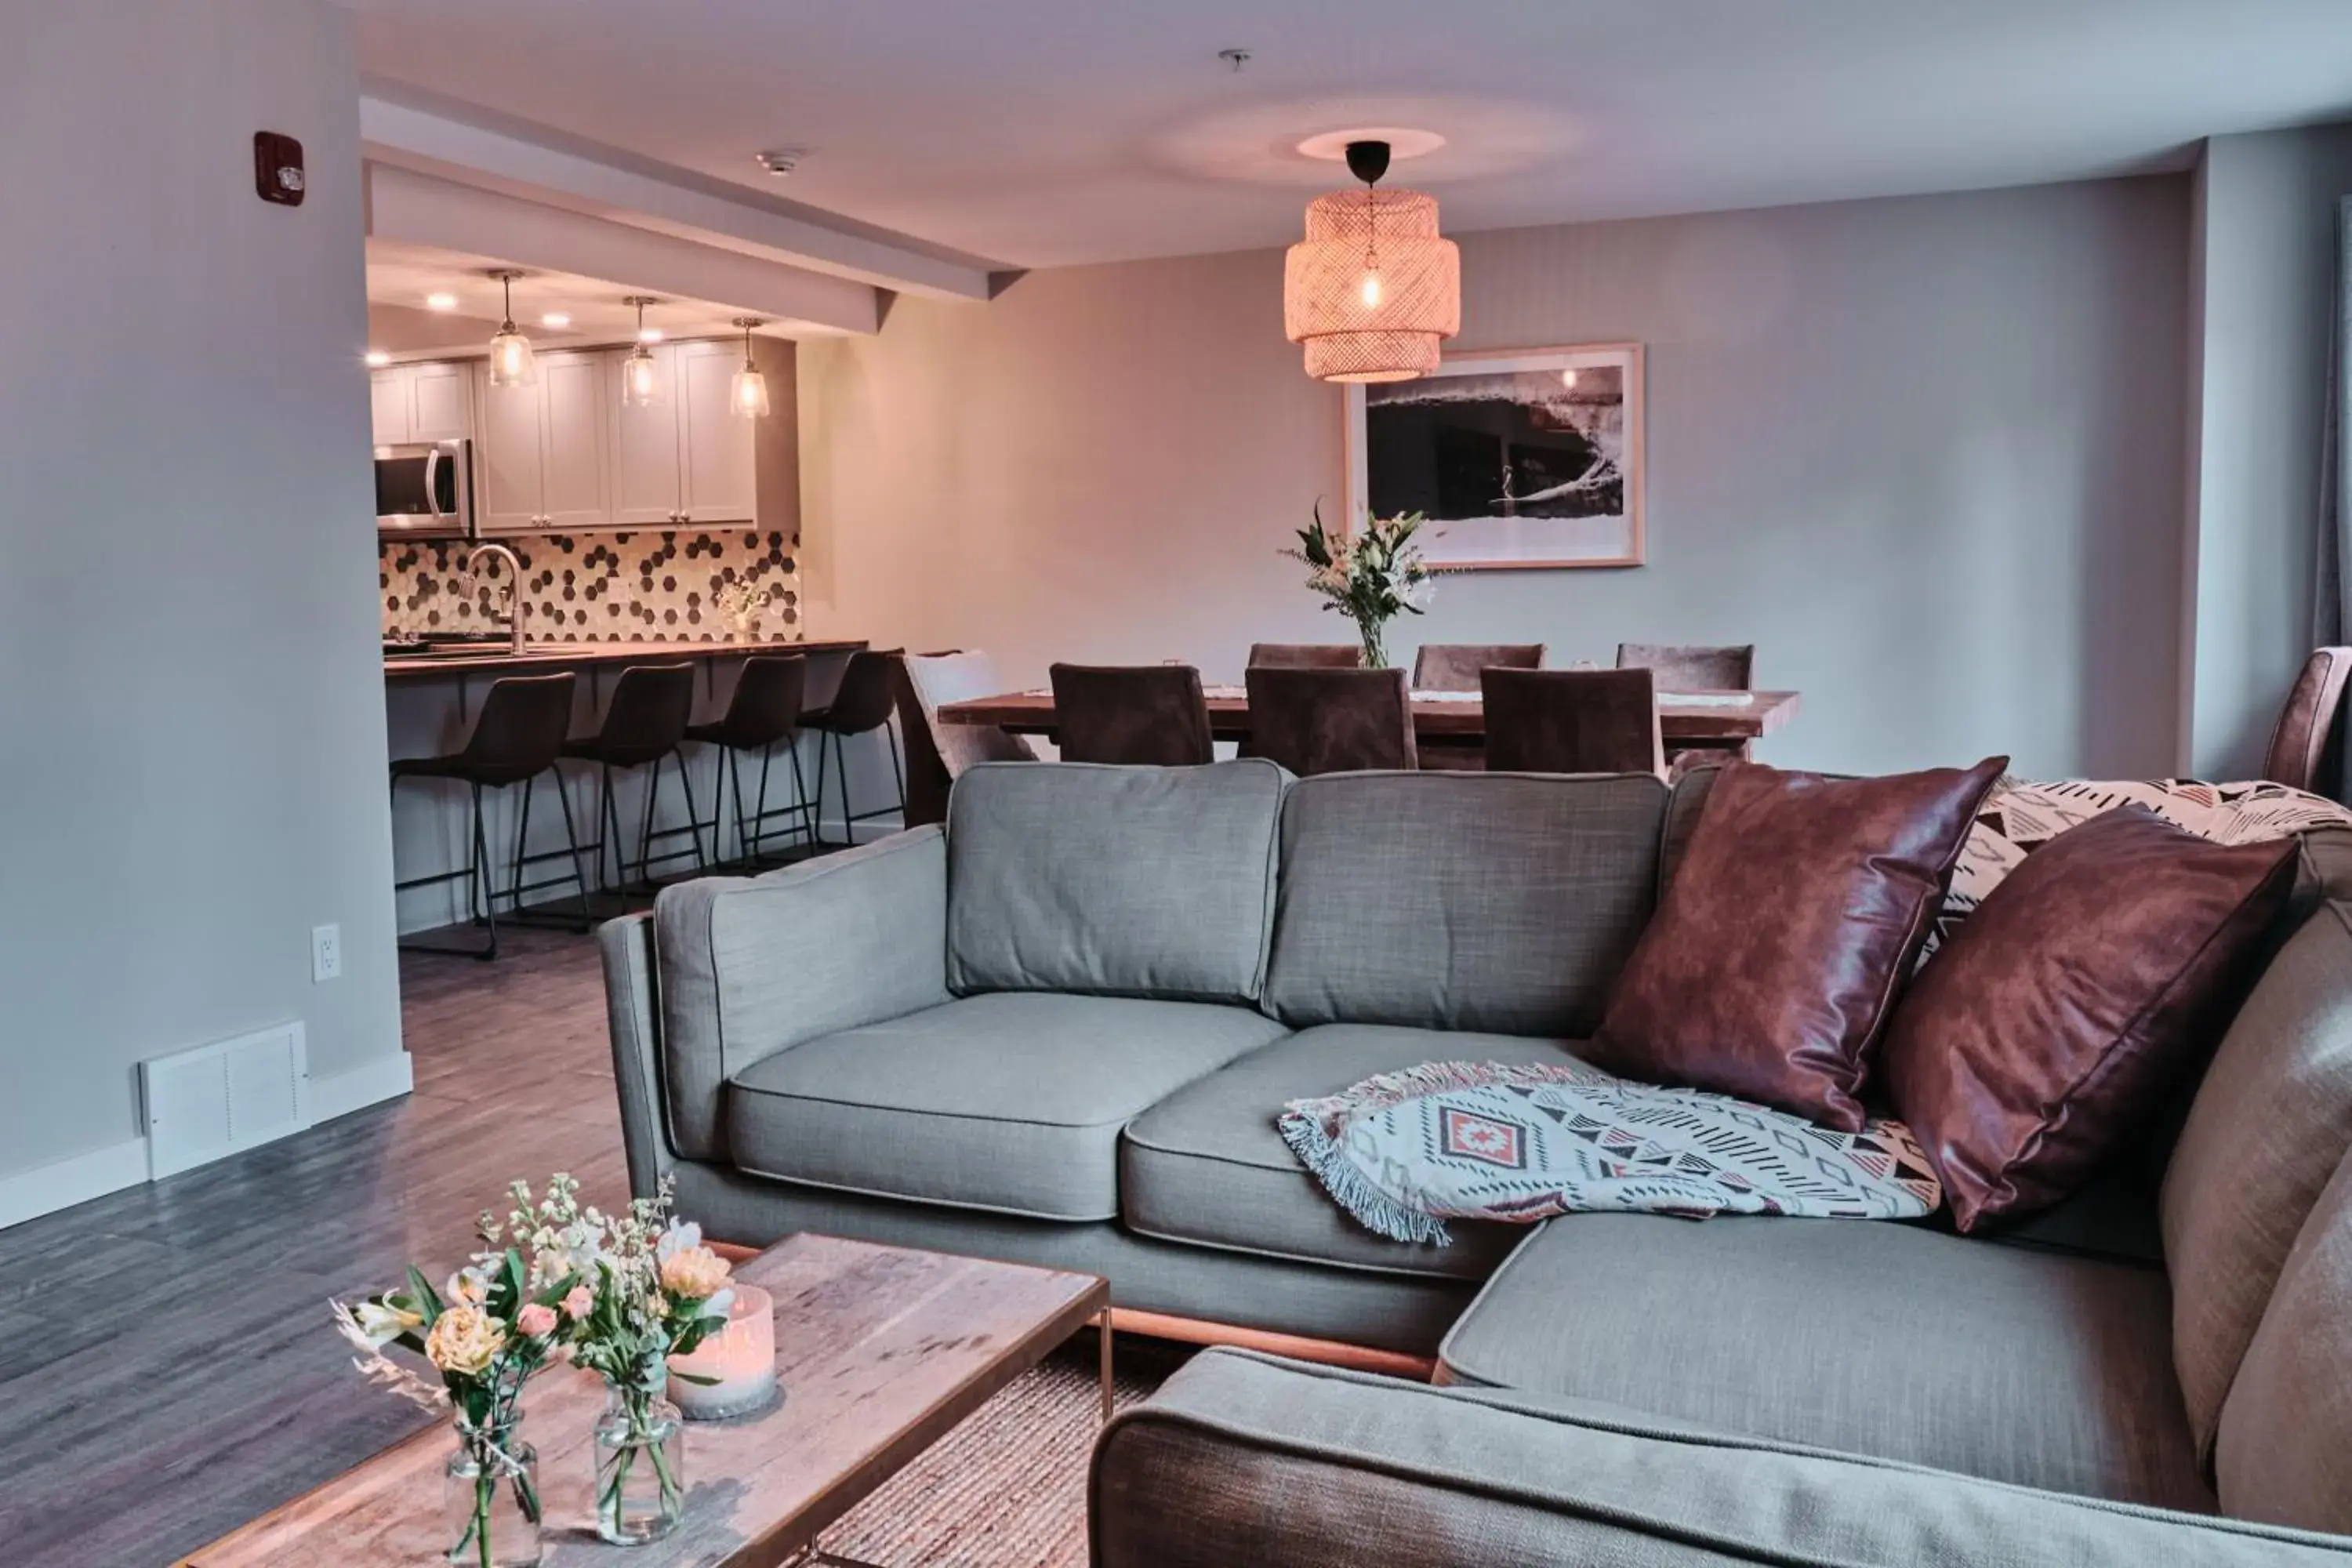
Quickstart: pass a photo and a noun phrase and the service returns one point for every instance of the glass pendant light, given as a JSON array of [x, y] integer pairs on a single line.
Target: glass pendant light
[[749, 393], [640, 372], [511, 358]]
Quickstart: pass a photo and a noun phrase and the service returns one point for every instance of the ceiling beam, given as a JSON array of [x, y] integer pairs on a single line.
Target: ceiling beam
[[602, 183], [422, 210]]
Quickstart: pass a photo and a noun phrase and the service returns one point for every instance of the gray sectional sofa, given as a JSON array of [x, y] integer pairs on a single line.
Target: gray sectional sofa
[[1059, 1032]]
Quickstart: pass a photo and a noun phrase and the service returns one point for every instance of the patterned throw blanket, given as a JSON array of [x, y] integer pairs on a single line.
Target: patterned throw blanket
[[1405, 1151]]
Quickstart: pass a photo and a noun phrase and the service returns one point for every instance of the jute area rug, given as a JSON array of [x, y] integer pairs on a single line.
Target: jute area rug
[[1008, 1488]]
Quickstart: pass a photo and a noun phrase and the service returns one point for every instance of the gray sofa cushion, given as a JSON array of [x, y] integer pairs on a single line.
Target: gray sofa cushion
[[1244, 1459], [1117, 882], [1496, 901], [1011, 1101], [2286, 1447], [2270, 1123], [1891, 1340], [748, 968], [1206, 1165]]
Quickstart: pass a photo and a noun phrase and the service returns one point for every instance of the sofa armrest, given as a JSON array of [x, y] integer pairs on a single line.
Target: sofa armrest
[[626, 946], [1245, 1459], [748, 967]]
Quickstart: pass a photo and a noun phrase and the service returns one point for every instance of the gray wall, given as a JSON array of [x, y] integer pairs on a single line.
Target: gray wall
[[1924, 452], [190, 693], [2265, 218]]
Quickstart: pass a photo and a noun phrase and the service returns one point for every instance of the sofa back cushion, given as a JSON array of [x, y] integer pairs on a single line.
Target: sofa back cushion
[[1114, 881], [2270, 1123], [751, 967], [2287, 1423], [1505, 902]]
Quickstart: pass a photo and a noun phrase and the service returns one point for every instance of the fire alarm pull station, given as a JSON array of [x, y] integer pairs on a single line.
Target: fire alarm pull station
[[277, 168]]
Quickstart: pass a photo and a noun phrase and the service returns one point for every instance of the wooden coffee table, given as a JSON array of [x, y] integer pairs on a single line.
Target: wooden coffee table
[[881, 1350]]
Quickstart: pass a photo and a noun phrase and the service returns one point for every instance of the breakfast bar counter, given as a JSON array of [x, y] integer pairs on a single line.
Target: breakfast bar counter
[[489, 659]]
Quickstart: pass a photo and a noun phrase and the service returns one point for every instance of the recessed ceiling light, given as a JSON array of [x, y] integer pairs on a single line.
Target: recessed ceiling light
[[557, 319], [377, 359], [781, 161], [440, 299]]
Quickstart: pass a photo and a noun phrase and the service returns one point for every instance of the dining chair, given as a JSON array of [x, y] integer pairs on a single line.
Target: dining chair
[[1142, 715], [1685, 667], [1455, 667], [1306, 656], [1330, 721], [937, 753], [1571, 721], [2302, 751]]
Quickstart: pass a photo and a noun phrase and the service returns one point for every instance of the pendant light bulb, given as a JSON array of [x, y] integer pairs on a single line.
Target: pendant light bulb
[[1371, 289], [640, 372], [511, 356], [748, 397]]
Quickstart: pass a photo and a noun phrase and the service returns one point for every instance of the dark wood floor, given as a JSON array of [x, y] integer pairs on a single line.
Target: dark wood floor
[[167, 1367]]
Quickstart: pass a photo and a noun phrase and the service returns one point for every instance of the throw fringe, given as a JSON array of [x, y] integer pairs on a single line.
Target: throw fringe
[[1372, 1208]]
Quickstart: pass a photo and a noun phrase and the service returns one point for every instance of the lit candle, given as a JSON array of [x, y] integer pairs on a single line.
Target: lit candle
[[739, 1358]]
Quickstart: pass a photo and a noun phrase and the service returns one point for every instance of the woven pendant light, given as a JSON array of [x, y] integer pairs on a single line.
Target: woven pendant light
[[1373, 290]]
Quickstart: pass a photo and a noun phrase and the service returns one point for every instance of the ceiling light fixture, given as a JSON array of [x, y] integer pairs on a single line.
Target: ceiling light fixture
[[556, 321], [440, 299], [640, 373], [649, 334], [748, 396], [377, 359], [1373, 290], [781, 161], [510, 357]]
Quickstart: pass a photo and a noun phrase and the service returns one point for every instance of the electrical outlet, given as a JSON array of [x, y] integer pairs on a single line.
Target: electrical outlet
[[326, 954]]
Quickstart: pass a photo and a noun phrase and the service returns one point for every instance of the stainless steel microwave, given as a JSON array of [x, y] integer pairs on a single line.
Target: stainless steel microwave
[[426, 489]]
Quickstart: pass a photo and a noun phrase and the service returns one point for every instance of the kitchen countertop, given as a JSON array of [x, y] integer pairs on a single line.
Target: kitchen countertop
[[571, 655]]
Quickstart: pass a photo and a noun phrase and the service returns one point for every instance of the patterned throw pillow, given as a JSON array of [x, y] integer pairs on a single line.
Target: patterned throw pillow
[[2019, 818]]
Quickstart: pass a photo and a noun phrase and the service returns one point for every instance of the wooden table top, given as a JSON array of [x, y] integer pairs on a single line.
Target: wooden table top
[[881, 1351], [1683, 717]]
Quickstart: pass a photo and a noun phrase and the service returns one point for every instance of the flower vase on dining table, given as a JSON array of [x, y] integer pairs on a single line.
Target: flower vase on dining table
[[640, 1459], [1371, 576], [491, 1490]]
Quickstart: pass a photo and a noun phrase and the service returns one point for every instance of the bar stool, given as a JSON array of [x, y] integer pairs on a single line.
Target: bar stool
[[644, 724], [863, 705], [765, 710], [517, 737]]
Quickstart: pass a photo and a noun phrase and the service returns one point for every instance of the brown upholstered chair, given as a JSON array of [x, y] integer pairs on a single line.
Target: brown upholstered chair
[[1571, 721], [937, 753], [1306, 656], [2304, 750], [1687, 668], [1455, 667], [1331, 720], [1144, 715]]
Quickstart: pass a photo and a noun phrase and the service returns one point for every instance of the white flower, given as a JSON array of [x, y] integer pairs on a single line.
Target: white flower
[[680, 1235], [382, 1323], [471, 1285]]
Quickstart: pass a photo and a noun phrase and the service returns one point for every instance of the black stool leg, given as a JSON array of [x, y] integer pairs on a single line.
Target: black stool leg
[[523, 837], [612, 834], [841, 772], [481, 876], [801, 799], [572, 838], [693, 819], [897, 770]]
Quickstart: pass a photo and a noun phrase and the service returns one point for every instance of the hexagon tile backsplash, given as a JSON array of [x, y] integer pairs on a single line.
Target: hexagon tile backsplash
[[641, 585]]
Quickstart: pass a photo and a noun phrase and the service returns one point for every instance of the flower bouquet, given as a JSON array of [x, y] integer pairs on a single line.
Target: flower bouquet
[[651, 1289], [488, 1331], [1370, 577]]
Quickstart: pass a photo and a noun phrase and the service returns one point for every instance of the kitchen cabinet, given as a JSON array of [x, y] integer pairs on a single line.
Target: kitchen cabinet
[[429, 402], [541, 448], [647, 484], [718, 463]]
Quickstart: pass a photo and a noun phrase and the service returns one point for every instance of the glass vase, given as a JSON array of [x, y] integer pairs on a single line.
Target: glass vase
[[490, 1489], [640, 1460], [1376, 654]]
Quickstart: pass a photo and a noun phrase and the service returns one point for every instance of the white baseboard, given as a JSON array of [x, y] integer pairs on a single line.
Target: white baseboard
[[79, 1178], [76, 1179], [371, 1083]]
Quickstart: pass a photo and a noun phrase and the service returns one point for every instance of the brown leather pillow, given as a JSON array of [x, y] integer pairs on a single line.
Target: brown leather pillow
[[1792, 920], [2057, 1019]]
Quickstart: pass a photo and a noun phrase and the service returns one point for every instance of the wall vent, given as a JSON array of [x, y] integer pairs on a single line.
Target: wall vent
[[221, 1098]]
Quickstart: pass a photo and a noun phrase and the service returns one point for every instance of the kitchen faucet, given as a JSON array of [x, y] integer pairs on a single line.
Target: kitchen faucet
[[514, 582]]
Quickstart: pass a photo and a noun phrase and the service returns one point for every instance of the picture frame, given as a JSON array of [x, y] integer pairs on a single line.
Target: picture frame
[[1556, 465]]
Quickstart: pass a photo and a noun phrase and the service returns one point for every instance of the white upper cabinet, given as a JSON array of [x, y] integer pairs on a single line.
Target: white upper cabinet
[[718, 471], [388, 401], [440, 402], [647, 484], [542, 448]]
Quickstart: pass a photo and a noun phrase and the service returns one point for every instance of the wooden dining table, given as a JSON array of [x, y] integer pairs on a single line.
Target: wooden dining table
[[1687, 720]]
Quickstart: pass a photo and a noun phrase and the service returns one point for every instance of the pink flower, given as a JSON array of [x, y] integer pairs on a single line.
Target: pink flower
[[580, 1302], [536, 1320]]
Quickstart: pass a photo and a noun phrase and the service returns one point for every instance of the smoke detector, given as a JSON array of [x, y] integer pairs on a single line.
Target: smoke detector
[[782, 161]]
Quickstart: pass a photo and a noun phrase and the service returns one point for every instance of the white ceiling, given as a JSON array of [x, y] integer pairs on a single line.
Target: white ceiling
[[401, 276], [1048, 132]]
